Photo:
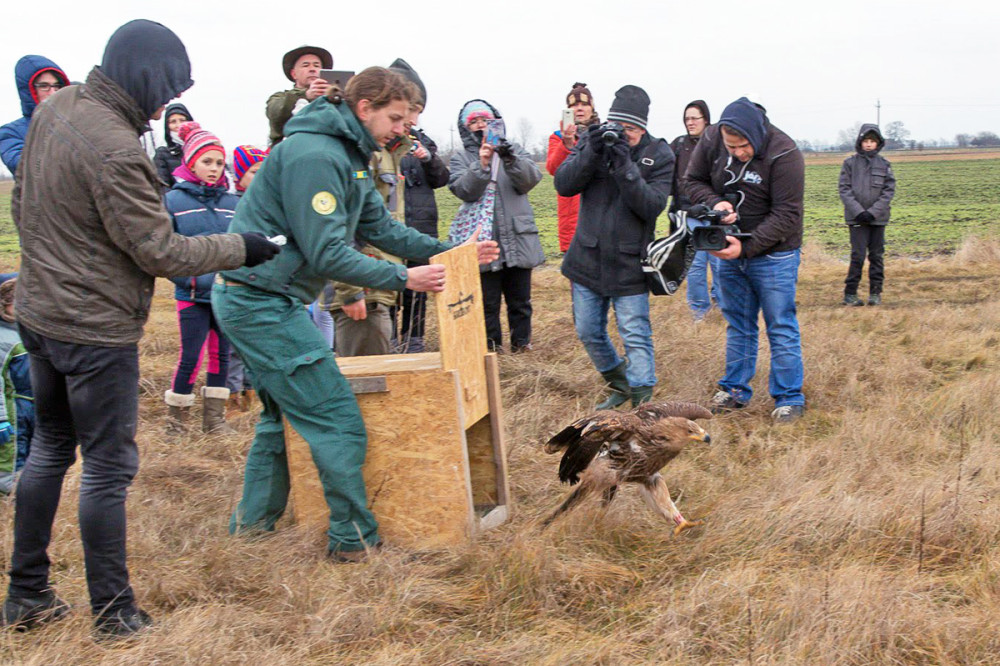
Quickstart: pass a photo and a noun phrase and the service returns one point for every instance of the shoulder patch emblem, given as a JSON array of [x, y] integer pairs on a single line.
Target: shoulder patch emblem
[[324, 203]]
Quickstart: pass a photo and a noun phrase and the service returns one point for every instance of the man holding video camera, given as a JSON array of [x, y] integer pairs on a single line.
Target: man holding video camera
[[753, 171], [623, 177]]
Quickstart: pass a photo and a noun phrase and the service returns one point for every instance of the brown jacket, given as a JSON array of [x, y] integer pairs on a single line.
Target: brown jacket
[[93, 229], [771, 186]]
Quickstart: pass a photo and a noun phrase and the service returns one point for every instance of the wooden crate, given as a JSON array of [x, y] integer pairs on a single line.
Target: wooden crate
[[436, 468]]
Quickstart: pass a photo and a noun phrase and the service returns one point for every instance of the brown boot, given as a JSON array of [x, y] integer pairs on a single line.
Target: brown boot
[[213, 415], [234, 405], [178, 411], [250, 403]]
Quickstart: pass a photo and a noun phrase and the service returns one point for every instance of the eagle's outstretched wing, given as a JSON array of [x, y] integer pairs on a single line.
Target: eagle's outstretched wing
[[584, 438], [649, 412]]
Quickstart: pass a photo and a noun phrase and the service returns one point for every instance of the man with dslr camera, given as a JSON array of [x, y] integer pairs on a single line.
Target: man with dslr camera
[[748, 167], [623, 177]]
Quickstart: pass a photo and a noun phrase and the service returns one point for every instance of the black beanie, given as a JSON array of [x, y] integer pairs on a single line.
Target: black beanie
[[149, 62], [631, 106], [404, 68]]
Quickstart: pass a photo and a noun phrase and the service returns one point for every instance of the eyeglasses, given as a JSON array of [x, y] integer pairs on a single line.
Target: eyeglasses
[[689, 119], [45, 87]]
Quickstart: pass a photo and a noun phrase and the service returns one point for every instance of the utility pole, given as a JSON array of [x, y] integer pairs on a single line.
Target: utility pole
[[878, 112]]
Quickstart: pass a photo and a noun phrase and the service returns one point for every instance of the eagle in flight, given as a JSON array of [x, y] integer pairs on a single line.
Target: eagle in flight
[[608, 448]]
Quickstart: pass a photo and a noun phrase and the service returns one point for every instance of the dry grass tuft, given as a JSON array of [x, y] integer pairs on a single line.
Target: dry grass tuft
[[865, 533]]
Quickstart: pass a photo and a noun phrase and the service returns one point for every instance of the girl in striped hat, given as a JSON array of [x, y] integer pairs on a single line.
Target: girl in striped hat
[[200, 205]]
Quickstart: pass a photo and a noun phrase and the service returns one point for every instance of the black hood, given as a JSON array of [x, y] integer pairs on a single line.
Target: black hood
[[149, 62], [173, 110], [469, 140], [701, 106], [869, 128]]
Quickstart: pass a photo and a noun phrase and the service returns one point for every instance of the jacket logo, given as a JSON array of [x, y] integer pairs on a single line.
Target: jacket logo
[[752, 177], [360, 175], [646, 161], [324, 203]]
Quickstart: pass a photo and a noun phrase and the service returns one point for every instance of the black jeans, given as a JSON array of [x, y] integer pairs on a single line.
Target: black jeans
[[514, 285], [87, 396], [871, 239]]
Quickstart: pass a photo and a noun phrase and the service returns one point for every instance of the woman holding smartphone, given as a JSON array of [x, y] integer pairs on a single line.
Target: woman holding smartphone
[[513, 173]]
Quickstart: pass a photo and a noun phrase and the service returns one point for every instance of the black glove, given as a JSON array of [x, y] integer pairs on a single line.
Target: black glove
[[594, 139], [864, 217], [258, 248], [620, 155], [505, 150]]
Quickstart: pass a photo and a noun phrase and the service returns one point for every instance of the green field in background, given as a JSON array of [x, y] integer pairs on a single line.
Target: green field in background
[[938, 203]]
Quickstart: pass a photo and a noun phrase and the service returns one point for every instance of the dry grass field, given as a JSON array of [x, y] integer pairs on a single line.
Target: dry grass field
[[864, 534]]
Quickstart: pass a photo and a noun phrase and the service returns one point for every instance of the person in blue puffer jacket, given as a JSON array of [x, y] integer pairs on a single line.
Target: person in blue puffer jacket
[[200, 205], [37, 78]]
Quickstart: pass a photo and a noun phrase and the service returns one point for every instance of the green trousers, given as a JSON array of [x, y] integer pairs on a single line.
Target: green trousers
[[296, 376]]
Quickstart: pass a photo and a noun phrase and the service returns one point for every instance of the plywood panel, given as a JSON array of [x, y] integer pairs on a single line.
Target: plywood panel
[[417, 468], [462, 328], [355, 366], [487, 448]]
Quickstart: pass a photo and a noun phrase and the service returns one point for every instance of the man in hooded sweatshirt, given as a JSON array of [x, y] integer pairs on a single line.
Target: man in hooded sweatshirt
[[93, 234], [169, 156], [750, 168], [37, 79], [867, 186]]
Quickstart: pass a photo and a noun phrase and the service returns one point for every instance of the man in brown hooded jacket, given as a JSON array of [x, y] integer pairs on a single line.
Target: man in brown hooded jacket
[[93, 234]]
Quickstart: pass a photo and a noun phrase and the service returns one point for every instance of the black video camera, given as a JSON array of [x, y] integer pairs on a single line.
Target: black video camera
[[712, 235], [611, 133]]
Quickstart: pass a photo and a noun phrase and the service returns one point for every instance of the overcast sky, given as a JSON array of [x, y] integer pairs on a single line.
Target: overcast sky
[[817, 66]]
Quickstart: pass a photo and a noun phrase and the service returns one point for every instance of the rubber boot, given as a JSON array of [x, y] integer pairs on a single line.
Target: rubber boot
[[213, 415], [178, 411], [618, 388], [641, 394]]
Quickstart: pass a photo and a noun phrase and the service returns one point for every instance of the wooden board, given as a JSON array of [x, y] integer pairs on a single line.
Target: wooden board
[[487, 447], [462, 328], [356, 366], [417, 468]]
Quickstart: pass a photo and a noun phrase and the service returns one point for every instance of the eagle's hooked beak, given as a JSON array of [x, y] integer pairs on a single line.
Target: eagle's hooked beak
[[702, 437]]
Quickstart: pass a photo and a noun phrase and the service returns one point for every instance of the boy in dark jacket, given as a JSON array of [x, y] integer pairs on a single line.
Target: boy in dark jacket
[[168, 156], [867, 186]]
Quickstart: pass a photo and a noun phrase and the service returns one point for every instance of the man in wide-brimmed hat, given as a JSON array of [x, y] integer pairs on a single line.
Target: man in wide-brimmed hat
[[301, 65]]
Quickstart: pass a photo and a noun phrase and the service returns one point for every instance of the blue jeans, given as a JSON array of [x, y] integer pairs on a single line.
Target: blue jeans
[[697, 283], [750, 286], [590, 314]]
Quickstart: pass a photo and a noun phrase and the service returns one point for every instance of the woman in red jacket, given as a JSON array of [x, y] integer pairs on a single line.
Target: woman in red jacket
[[560, 143]]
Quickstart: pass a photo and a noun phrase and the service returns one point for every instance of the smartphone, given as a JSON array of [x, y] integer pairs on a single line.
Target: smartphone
[[495, 130], [567, 119], [336, 77]]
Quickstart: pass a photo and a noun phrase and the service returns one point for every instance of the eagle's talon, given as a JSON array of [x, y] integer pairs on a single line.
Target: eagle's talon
[[686, 524]]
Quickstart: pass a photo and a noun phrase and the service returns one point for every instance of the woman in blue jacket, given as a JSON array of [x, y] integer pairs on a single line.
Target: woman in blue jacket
[[200, 205], [37, 78]]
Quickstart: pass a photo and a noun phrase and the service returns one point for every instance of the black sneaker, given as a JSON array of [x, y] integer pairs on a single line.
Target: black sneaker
[[874, 299], [724, 402], [123, 624], [852, 299], [24, 613]]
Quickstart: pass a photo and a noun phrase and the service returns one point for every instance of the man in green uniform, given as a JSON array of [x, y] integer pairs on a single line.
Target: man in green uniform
[[316, 191], [302, 67]]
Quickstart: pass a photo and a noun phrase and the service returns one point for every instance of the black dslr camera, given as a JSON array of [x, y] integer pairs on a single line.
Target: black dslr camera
[[712, 235], [611, 133]]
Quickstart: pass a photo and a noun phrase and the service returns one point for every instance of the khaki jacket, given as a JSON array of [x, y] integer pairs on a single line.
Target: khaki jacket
[[93, 229], [280, 107]]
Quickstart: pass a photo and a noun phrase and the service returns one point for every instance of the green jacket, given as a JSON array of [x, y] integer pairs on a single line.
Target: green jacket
[[280, 106], [315, 189]]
